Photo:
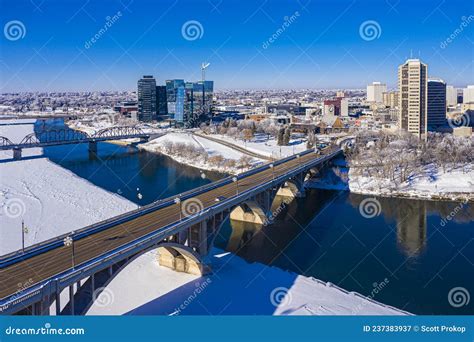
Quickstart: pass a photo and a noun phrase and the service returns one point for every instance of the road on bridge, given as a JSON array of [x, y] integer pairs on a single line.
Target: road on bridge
[[44, 266]]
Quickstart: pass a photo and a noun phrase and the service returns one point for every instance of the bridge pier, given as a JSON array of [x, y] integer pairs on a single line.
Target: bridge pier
[[17, 153], [249, 211], [180, 261], [41, 308], [93, 146]]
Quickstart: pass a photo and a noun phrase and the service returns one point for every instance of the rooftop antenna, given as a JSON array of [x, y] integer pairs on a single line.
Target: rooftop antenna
[[204, 66], [411, 53]]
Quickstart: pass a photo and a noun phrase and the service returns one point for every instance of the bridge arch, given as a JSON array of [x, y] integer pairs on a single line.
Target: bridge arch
[[53, 136], [114, 132], [4, 141], [168, 254], [249, 211], [291, 188]]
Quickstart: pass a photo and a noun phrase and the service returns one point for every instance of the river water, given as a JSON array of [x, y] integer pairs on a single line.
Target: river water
[[409, 246]]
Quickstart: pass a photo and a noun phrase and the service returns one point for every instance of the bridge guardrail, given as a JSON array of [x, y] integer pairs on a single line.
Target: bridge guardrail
[[56, 242]]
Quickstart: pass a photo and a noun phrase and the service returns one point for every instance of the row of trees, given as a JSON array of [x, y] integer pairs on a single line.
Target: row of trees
[[397, 157], [194, 153]]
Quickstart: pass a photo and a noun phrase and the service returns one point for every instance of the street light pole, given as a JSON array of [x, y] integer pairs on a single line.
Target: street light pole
[[236, 181], [273, 172], [69, 242], [23, 236], [177, 200]]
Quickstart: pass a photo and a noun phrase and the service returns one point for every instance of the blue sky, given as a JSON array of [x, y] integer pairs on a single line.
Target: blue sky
[[322, 47]]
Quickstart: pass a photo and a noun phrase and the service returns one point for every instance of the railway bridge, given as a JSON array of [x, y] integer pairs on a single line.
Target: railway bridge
[[65, 136]]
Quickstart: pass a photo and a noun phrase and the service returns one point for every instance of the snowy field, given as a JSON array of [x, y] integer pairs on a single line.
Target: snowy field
[[234, 288], [261, 145], [433, 184], [212, 148], [50, 199]]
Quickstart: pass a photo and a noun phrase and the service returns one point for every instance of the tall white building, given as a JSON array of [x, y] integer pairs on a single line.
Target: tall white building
[[451, 96], [375, 92], [468, 94], [413, 93]]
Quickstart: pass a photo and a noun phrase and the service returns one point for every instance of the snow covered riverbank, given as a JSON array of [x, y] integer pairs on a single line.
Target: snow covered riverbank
[[50, 199], [453, 185], [186, 148], [234, 288], [456, 185]]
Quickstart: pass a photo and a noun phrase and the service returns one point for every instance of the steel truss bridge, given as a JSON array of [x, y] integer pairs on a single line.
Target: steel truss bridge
[[181, 228], [66, 136]]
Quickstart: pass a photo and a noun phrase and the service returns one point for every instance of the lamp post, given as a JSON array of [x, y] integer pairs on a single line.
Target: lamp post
[[24, 230], [177, 200], [69, 242], [273, 171], [236, 181]]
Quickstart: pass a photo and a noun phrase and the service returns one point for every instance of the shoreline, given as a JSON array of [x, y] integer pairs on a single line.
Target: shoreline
[[434, 198], [202, 167]]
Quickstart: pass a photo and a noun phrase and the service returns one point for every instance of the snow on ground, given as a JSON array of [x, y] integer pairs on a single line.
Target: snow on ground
[[234, 288], [212, 149], [267, 147], [455, 184], [50, 199]]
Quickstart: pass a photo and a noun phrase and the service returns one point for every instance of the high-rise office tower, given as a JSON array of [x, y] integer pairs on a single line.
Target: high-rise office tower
[[146, 99], [468, 94], [161, 102], [412, 86], [451, 96], [175, 98], [375, 92], [198, 102], [436, 103]]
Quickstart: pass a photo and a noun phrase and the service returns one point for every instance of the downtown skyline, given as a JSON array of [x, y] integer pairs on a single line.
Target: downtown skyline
[[91, 46]]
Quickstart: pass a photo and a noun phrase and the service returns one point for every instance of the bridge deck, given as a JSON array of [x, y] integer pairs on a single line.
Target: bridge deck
[[43, 266]]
